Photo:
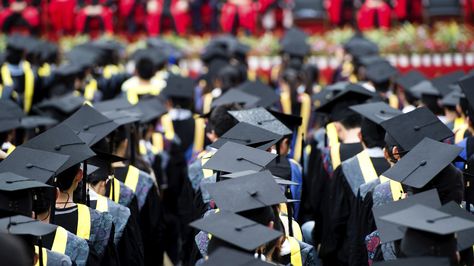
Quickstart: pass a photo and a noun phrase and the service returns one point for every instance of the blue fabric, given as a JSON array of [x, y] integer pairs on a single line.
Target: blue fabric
[[296, 176], [463, 154]]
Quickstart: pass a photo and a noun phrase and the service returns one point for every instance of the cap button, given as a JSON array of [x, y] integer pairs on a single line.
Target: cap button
[[247, 141], [423, 163], [382, 111], [86, 128], [416, 128], [29, 165], [253, 193], [57, 147]]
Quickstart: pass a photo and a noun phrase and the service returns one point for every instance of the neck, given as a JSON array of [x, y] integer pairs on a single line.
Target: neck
[[44, 217], [350, 135], [65, 199]]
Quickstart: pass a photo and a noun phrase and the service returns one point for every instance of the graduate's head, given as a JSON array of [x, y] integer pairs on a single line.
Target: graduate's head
[[310, 77], [220, 121], [118, 142], [145, 68], [44, 199], [69, 179], [229, 77], [371, 134], [392, 150], [432, 103], [348, 127]]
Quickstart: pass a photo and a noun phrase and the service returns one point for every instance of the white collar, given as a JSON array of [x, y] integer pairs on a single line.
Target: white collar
[[375, 152], [179, 114]]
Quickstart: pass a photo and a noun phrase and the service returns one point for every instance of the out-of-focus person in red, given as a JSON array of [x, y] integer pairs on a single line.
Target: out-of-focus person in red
[[409, 10], [61, 14], [374, 14], [176, 11], [269, 9], [132, 15], [340, 12], [19, 16], [94, 14], [237, 14]]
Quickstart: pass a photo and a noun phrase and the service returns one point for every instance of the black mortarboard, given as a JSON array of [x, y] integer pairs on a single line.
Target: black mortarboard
[[237, 230], [359, 46], [231, 257], [61, 139], [390, 232], [321, 98], [15, 197], [443, 82], [260, 117], [423, 163], [90, 121], [293, 34], [62, 105], [427, 219], [241, 49], [233, 157], [296, 48], [338, 107], [467, 87], [380, 71], [431, 261], [123, 117], [35, 121], [280, 167], [290, 121], [410, 128], [247, 192], [453, 98], [214, 52], [155, 55], [376, 112], [265, 93], [278, 180], [103, 163], [35, 164], [465, 238], [410, 79], [236, 96], [22, 225], [424, 87], [248, 135], [150, 109], [116, 104], [10, 115], [369, 60], [179, 87], [68, 70]]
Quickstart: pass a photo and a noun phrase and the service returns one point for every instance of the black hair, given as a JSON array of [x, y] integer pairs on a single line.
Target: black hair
[[383, 86], [220, 120], [373, 135], [145, 68], [431, 102], [310, 77], [43, 200], [351, 121], [230, 77], [14, 56], [65, 179]]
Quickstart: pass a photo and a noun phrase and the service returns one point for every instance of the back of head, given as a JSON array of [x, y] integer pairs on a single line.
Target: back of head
[[145, 68], [220, 120], [351, 121], [229, 77], [65, 179], [373, 135]]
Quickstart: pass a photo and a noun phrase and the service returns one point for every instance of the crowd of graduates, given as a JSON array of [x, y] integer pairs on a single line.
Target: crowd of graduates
[[116, 159], [66, 17]]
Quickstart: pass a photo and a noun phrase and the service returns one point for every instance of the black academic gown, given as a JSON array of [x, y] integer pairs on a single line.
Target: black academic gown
[[342, 229], [320, 180]]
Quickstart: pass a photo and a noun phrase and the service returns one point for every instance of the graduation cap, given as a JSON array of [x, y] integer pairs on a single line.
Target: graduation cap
[[233, 157], [236, 96], [231, 257], [179, 87], [10, 115], [376, 112], [150, 109], [380, 71], [248, 135], [90, 121], [390, 232], [432, 261], [338, 107], [292, 35], [262, 118], [467, 87], [246, 192], [61, 106], [117, 104], [32, 163], [325, 95], [290, 121], [280, 166], [424, 87], [369, 60], [296, 48], [443, 82], [453, 98], [213, 52], [35, 121], [423, 163], [410, 79], [22, 225], [278, 180], [68, 70], [359, 46], [102, 163], [465, 238], [123, 117], [61, 139], [155, 55], [410, 128], [267, 96], [237, 230], [15, 195]]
